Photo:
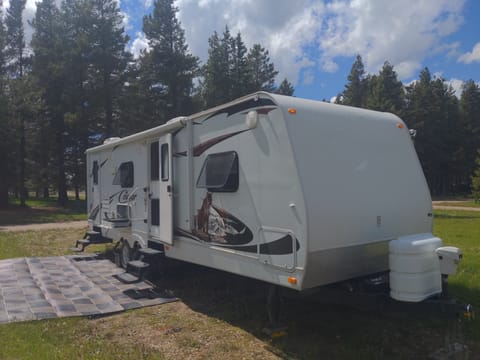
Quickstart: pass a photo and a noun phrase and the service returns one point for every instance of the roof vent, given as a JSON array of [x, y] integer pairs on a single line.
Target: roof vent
[[111, 140]]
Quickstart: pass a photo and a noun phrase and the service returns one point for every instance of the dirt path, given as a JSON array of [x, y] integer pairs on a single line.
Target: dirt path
[[452, 205], [46, 226], [462, 208]]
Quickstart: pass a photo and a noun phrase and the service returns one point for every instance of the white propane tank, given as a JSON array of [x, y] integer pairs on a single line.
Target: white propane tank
[[414, 267]]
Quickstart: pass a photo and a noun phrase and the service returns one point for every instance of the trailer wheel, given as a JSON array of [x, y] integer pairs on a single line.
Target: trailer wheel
[[125, 254]]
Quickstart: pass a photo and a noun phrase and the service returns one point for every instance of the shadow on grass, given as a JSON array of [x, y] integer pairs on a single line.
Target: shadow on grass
[[315, 330], [42, 211]]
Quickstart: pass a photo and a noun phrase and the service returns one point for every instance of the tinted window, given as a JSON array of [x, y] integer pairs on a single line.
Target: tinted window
[[155, 212], [220, 172], [154, 161], [124, 175], [95, 172], [165, 162]]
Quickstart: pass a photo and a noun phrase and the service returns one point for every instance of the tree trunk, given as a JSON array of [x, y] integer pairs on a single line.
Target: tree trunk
[[60, 149], [46, 193], [23, 191], [3, 195]]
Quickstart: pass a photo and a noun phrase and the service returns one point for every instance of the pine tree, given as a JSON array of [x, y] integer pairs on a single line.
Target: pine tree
[[470, 119], [262, 70], [386, 91], [476, 180], [5, 128], [16, 57], [171, 65], [49, 70], [238, 66], [217, 82], [109, 58], [355, 92], [432, 109], [285, 88]]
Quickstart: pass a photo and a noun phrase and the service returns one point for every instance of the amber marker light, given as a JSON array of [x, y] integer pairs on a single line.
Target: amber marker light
[[292, 111], [400, 126], [292, 280]]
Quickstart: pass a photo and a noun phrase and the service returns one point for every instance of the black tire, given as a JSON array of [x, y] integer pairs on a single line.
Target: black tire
[[125, 254]]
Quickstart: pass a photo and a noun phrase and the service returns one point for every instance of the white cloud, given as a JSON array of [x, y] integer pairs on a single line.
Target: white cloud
[[308, 77], [284, 27], [126, 21], [139, 43], [403, 32], [470, 57], [457, 86]]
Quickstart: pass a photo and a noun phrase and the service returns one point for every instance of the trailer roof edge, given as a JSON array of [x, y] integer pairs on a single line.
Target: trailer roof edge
[[173, 124]]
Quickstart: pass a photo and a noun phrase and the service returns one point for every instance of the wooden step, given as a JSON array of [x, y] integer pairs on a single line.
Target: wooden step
[[84, 242], [76, 249], [127, 278], [92, 233]]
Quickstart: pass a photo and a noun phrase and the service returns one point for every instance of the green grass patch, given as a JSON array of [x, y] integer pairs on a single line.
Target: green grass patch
[[42, 243], [66, 338], [462, 229], [42, 211], [221, 315]]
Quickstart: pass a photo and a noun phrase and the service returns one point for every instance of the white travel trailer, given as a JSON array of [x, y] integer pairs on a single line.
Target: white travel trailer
[[293, 192]]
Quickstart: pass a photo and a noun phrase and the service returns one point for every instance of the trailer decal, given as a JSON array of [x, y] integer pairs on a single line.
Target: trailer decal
[[281, 246], [246, 105], [93, 214], [218, 225], [202, 147]]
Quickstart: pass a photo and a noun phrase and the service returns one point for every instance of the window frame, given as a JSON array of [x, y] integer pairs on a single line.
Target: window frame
[[231, 180], [154, 161], [95, 170], [121, 176], [165, 162]]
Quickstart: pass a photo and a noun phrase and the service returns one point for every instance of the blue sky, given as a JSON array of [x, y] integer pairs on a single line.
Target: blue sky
[[313, 42]]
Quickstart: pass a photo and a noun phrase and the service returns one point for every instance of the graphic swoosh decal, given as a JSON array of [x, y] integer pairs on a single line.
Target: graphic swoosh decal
[[201, 148], [252, 103], [281, 246]]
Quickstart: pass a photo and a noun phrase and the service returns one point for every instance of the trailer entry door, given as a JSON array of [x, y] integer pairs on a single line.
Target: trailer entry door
[[165, 190]]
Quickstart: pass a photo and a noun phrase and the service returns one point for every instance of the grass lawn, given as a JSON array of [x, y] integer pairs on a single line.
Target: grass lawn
[[42, 211], [221, 315]]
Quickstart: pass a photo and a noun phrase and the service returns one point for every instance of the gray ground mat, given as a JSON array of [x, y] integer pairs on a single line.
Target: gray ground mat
[[78, 285]]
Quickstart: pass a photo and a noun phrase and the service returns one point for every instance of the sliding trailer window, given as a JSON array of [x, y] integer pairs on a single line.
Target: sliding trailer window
[[220, 172], [95, 172], [124, 175]]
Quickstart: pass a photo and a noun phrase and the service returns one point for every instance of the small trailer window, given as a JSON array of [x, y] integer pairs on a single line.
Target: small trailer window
[[95, 172], [219, 172], [165, 162], [124, 175], [154, 161]]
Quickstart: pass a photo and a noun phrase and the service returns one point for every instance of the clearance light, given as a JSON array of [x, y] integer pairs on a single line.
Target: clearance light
[[166, 247], [292, 280], [400, 126], [292, 111]]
